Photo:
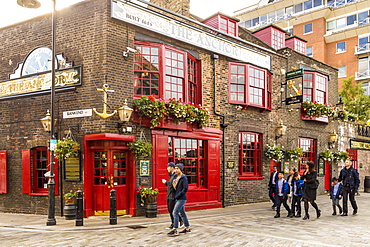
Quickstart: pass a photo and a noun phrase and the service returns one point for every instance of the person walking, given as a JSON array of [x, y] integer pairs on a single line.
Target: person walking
[[170, 191], [180, 183], [297, 189], [310, 187], [272, 186], [351, 181], [336, 195], [282, 190], [290, 180]]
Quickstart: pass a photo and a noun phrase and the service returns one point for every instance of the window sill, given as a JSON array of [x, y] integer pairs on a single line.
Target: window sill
[[250, 178], [38, 194], [308, 33]]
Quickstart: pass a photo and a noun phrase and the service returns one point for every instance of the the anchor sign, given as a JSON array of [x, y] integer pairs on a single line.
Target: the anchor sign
[[106, 91], [291, 84]]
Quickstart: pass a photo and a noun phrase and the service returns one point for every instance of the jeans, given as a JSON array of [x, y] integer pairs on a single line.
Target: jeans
[[178, 211], [278, 201], [335, 203], [170, 207], [347, 191], [272, 194]]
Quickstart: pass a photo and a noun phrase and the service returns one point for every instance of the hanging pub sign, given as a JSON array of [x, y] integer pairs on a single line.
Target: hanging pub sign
[[293, 86], [72, 168]]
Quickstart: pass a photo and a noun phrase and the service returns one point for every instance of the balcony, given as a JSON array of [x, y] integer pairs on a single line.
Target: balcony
[[362, 75], [362, 49], [363, 130]]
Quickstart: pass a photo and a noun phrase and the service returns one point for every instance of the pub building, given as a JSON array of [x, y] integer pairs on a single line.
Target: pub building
[[110, 53]]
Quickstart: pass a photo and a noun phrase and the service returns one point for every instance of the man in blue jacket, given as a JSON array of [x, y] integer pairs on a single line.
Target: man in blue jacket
[[351, 181], [282, 190]]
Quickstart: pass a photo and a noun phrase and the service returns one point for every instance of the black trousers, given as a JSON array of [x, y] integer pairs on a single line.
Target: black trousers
[[296, 202], [271, 194], [170, 206], [351, 193], [278, 201]]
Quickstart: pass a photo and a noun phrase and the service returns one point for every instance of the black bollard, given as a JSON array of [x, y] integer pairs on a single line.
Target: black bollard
[[113, 208], [80, 210]]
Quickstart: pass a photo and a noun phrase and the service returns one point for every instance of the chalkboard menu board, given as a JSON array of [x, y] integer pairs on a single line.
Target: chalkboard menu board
[[72, 169]]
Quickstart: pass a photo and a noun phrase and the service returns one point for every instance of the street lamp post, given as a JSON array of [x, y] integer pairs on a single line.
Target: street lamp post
[[51, 183]]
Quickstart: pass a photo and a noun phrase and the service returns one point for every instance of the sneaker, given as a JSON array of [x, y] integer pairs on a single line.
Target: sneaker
[[186, 231], [173, 233], [170, 227]]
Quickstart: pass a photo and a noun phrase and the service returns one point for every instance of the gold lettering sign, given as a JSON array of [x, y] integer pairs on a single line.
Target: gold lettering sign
[[63, 78], [360, 145], [72, 169]]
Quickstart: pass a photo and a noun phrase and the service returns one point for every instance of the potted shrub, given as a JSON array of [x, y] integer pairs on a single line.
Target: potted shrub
[[274, 152], [294, 154], [70, 197], [141, 148], [70, 208], [149, 199]]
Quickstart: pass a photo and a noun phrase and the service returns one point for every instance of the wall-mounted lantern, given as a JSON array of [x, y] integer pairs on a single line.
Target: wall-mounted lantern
[[125, 112], [280, 130], [46, 122], [332, 140]]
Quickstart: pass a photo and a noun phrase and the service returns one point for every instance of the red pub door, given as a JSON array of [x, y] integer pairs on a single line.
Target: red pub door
[[110, 172]]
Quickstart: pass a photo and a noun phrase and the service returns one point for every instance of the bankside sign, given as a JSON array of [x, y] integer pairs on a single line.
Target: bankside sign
[[171, 28], [77, 113]]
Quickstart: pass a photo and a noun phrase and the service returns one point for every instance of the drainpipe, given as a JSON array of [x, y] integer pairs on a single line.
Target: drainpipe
[[223, 126]]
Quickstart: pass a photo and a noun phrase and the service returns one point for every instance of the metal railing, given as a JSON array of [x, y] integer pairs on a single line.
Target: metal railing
[[363, 130], [359, 49], [361, 75]]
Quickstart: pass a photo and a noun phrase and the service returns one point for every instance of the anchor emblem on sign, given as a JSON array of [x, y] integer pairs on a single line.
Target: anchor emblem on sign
[[106, 91], [291, 84]]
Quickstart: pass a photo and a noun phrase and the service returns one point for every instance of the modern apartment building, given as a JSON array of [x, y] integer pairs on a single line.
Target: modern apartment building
[[337, 31]]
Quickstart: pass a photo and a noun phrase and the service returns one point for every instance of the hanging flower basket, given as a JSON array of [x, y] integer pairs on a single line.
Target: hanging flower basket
[[294, 154], [340, 156], [274, 152], [327, 155], [141, 148], [66, 148]]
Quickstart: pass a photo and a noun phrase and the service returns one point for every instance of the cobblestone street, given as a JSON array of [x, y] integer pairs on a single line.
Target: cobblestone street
[[243, 225]]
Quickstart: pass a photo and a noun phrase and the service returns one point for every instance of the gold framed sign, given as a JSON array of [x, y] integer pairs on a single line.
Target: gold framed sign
[[144, 167]]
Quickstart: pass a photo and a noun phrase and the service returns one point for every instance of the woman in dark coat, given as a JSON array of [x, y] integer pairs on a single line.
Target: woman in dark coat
[[310, 187]]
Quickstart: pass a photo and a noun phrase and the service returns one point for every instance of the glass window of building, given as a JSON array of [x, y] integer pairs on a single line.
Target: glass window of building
[[307, 28], [308, 147], [341, 47], [309, 51], [366, 86], [342, 71], [250, 154], [363, 44]]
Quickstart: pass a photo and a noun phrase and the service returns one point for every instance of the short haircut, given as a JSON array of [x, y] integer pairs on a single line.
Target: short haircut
[[295, 175], [281, 172], [334, 179]]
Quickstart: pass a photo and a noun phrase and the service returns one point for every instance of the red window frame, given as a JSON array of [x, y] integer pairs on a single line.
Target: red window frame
[[353, 155], [250, 155], [34, 168], [191, 153], [315, 87], [3, 172], [309, 148], [278, 39], [228, 26], [250, 86], [166, 72]]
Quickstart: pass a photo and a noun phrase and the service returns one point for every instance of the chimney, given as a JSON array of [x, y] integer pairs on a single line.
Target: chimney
[[181, 7]]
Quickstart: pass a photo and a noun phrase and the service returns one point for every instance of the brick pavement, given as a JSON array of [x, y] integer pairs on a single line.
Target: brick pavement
[[242, 225]]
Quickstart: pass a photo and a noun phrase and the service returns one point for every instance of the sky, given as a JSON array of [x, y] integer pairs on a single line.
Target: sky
[[11, 12]]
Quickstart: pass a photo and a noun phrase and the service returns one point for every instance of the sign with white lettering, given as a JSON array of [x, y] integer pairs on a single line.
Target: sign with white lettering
[[77, 113], [174, 29]]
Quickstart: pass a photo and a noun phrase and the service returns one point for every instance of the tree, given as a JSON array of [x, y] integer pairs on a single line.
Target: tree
[[354, 98]]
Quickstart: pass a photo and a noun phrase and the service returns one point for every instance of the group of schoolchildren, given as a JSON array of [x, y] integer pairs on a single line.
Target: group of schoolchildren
[[293, 187]]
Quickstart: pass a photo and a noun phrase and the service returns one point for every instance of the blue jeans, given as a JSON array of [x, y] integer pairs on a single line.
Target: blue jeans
[[179, 210]]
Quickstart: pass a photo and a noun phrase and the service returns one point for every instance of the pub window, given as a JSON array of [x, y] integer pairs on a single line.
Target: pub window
[[315, 87], [249, 85], [166, 72], [189, 152], [250, 152], [35, 166], [308, 147]]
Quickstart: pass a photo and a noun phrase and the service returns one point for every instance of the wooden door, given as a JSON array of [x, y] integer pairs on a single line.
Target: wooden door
[[110, 172]]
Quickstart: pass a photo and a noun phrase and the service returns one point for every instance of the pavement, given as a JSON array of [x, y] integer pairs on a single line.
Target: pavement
[[240, 225]]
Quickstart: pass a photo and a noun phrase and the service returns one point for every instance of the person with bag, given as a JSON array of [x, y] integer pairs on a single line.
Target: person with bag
[[297, 189], [282, 190], [351, 181], [310, 187]]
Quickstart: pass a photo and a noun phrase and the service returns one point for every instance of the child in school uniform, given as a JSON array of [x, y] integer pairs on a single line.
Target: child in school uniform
[[336, 195], [297, 190], [281, 196]]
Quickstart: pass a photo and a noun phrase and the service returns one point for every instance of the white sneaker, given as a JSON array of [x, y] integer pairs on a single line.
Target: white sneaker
[[181, 225]]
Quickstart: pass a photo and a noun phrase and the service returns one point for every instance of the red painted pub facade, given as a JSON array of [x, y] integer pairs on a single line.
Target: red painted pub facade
[[117, 51]]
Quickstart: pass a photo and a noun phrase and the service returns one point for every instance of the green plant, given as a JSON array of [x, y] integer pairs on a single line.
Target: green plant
[[314, 109], [340, 156], [274, 152], [141, 148], [294, 154], [151, 108], [327, 155], [144, 191], [66, 148], [70, 194]]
